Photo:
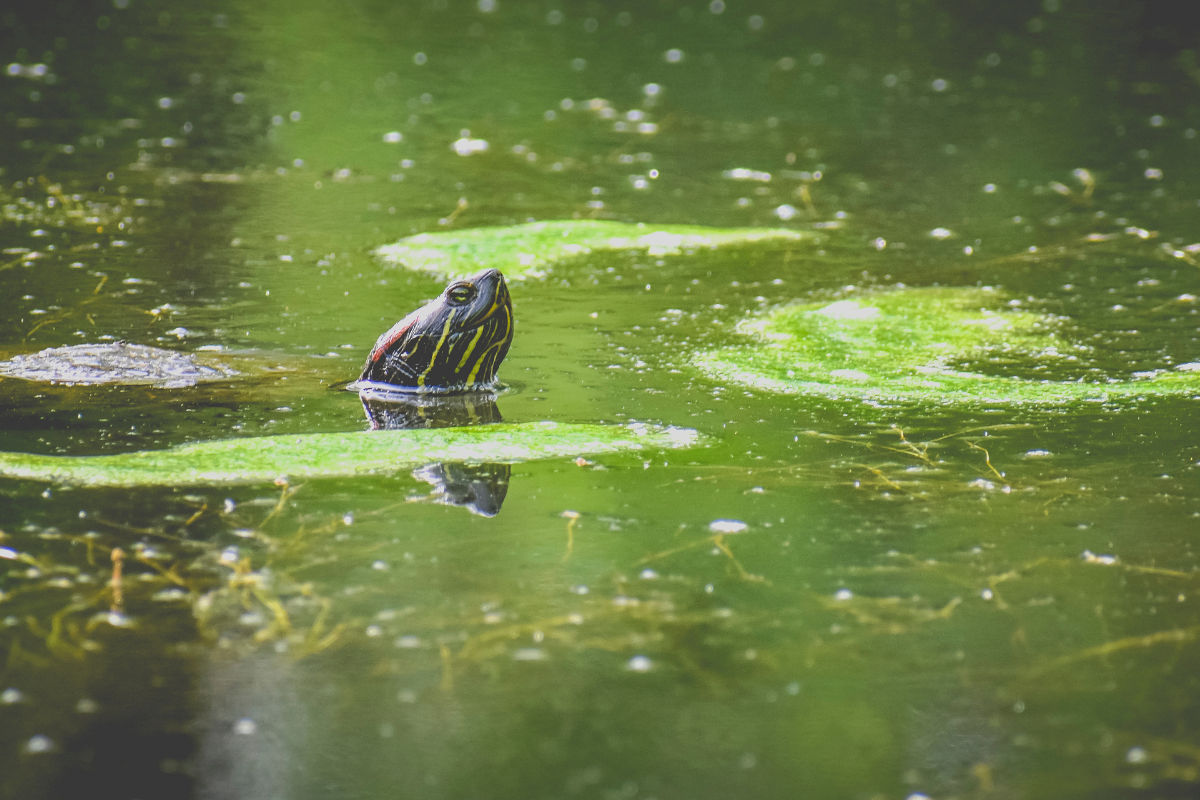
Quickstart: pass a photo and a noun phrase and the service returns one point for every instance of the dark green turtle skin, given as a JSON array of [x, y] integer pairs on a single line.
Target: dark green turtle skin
[[453, 344]]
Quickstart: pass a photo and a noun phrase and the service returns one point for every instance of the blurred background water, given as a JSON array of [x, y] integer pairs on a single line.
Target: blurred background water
[[1011, 612]]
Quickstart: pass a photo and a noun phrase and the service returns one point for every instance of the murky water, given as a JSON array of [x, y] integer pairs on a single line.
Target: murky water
[[987, 602]]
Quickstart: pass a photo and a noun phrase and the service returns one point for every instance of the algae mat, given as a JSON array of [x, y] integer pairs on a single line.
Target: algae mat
[[333, 455], [533, 249], [923, 345]]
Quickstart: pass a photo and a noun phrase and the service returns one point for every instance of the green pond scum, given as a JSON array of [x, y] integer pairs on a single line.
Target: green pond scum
[[928, 345], [535, 248], [846, 446]]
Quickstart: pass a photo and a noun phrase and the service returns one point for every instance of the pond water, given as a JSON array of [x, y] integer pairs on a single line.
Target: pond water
[[826, 597]]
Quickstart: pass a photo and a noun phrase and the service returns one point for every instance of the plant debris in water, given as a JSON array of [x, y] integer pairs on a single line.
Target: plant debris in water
[[533, 249], [909, 346]]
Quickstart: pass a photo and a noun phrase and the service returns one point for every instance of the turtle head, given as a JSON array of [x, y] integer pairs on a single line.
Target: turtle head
[[455, 343]]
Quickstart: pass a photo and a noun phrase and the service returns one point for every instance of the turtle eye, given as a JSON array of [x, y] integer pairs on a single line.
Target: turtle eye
[[461, 294]]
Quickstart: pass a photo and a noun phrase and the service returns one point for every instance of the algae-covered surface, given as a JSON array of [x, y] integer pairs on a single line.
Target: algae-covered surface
[[532, 250], [953, 554], [927, 346], [335, 455]]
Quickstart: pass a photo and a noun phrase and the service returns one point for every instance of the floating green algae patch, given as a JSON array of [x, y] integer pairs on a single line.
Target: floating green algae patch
[[913, 345], [334, 455], [533, 249]]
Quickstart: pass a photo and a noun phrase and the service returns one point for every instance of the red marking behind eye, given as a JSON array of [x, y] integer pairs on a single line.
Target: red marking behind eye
[[395, 334]]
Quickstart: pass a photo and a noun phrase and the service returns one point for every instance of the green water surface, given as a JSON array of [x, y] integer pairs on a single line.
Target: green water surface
[[839, 595]]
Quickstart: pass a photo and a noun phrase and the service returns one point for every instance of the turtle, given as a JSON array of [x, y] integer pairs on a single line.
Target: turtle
[[435, 368], [452, 345]]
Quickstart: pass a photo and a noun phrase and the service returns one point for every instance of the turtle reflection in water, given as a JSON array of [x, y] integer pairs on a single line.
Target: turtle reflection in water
[[436, 368]]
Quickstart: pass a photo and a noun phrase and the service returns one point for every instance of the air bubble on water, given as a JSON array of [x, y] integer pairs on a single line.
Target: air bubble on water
[[724, 526], [939, 85], [1136, 755], [393, 137], [648, 574], [87, 706], [843, 594], [673, 56], [1153, 174], [716, 6], [239, 97], [245, 727], [755, 23], [989, 188], [39, 744], [578, 64], [785, 212], [11, 695], [374, 631], [487, 6], [530, 654], [941, 233], [639, 664], [1156, 121], [554, 18], [651, 90], [408, 642]]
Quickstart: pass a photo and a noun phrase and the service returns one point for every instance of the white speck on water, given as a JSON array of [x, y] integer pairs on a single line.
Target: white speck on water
[[165, 102], [406, 696], [918, 796], [1091, 558], [530, 654], [639, 664], [941, 233], [39, 744], [465, 146], [374, 630], [755, 23], [990, 188], [87, 706], [1156, 121], [408, 642], [648, 574], [728, 526], [748, 761], [673, 56], [651, 90], [939, 85], [743, 174], [1153, 174], [9, 553], [578, 64], [785, 211], [987, 594], [487, 6], [716, 7], [348, 518], [381, 566], [420, 58], [1136, 755], [239, 97], [393, 137], [843, 594], [1038, 454], [11, 696], [245, 727]]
